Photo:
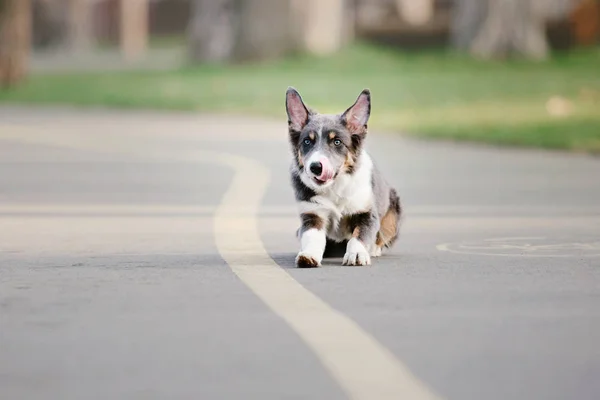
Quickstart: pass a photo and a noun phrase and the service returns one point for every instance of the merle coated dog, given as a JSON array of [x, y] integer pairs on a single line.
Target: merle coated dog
[[343, 199]]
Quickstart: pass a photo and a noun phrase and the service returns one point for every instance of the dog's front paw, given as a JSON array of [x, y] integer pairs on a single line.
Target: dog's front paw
[[307, 260], [356, 254]]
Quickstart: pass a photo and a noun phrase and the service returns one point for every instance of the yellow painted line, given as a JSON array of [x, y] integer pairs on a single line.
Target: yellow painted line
[[363, 368]]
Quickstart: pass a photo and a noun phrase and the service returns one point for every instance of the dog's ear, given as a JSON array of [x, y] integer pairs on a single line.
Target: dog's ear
[[356, 117], [296, 110]]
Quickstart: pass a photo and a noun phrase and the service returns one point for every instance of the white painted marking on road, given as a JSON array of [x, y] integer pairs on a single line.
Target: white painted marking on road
[[364, 368], [524, 247]]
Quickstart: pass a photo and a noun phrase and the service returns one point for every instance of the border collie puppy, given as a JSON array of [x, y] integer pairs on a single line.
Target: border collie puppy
[[342, 197]]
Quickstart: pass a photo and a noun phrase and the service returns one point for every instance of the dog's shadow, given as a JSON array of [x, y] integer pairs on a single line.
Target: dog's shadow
[[332, 257]]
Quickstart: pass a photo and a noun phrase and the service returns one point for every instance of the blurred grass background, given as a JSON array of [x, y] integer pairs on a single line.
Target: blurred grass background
[[551, 104]]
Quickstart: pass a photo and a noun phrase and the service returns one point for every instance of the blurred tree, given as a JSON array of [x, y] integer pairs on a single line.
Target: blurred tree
[[585, 19], [230, 30], [49, 27], [468, 17], [15, 40], [266, 30], [416, 12], [133, 28], [323, 26], [79, 32], [212, 30], [499, 28], [226, 30]]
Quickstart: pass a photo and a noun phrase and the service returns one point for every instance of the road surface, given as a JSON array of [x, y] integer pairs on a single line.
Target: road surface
[[150, 256]]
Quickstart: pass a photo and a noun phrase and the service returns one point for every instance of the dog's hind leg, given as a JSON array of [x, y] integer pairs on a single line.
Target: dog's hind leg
[[390, 224], [375, 249]]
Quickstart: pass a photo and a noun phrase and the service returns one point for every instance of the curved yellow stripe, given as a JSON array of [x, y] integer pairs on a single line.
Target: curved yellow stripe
[[363, 368]]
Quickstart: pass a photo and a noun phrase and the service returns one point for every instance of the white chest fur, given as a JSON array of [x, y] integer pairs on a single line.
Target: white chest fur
[[349, 194]]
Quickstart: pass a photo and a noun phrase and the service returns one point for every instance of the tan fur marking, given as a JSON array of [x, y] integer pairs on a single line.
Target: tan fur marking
[[331, 135], [388, 228], [310, 220], [349, 163], [356, 232], [343, 225], [379, 241], [311, 136], [300, 160]]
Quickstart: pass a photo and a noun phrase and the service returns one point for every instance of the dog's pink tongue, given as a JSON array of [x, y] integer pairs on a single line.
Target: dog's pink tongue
[[327, 172]]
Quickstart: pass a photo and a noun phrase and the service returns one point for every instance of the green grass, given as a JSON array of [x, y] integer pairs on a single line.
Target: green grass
[[431, 94]]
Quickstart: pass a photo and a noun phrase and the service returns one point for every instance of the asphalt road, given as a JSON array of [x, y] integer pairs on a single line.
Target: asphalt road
[[150, 256]]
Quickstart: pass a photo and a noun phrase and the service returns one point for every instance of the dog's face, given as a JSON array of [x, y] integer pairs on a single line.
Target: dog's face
[[326, 146]]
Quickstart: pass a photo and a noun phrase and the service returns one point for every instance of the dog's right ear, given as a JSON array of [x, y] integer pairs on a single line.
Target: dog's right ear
[[296, 110]]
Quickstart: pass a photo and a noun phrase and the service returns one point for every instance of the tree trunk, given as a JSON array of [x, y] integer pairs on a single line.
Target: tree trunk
[[499, 28], [585, 18], [79, 37], [511, 27], [134, 28], [416, 12], [468, 17], [266, 30], [323, 27], [212, 30], [15, 40], [244, 30]]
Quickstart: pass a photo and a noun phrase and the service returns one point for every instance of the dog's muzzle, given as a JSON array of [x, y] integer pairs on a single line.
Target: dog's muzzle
[[322, 170]]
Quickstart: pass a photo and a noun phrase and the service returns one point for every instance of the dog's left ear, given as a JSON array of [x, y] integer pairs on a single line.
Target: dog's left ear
[[356, 117]]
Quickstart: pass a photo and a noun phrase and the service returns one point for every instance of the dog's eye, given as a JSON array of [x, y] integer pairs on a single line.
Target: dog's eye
[[337, 142], [307, 141]]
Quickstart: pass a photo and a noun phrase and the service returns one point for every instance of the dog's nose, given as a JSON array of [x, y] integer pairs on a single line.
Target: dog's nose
[[316, 168]]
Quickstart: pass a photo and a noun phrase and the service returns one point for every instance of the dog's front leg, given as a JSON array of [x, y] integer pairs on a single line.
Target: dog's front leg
[[364, 231], [312, 241]]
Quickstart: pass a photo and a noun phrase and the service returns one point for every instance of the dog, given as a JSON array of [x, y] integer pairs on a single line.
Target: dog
[[342, 197]]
